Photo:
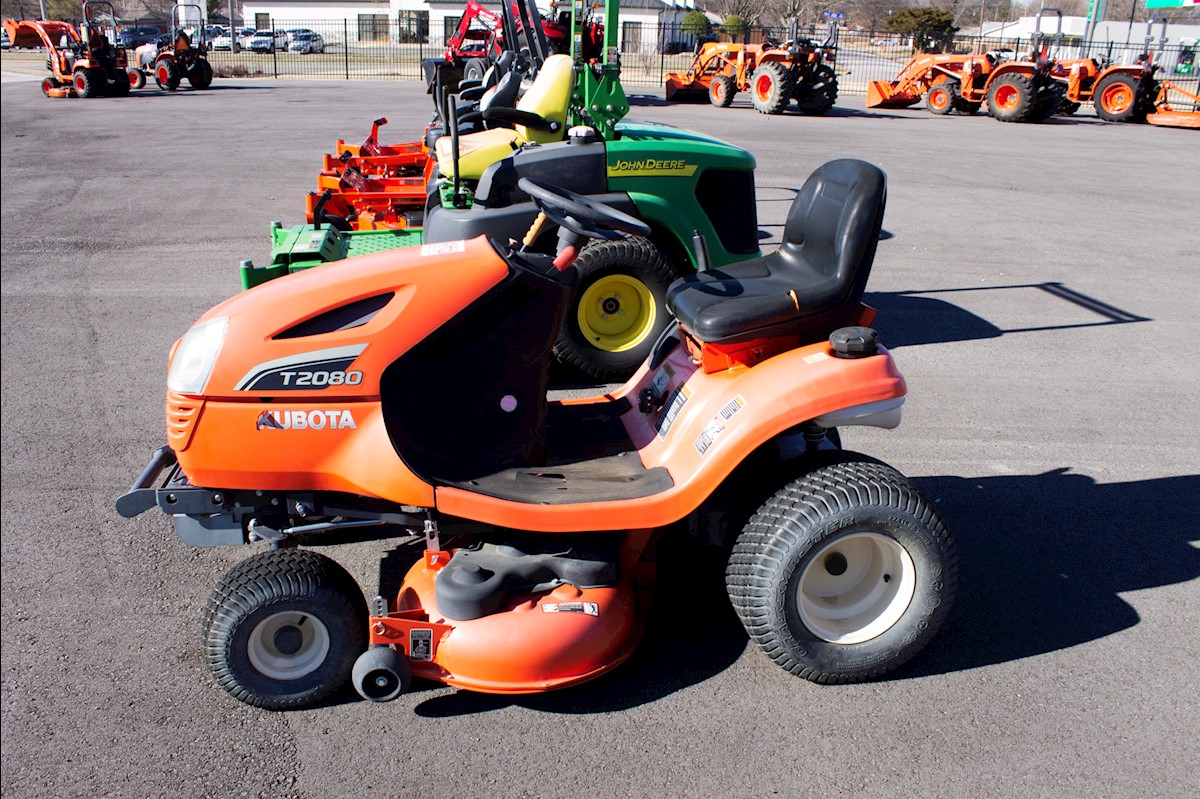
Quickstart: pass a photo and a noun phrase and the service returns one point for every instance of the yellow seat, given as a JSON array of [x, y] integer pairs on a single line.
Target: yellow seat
[[549, 97]]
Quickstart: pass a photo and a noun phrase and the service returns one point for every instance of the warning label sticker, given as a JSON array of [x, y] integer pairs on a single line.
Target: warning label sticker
[[588, 608], [678, 399], [719, 423], [815, 357], [420, 644], [443, 248]]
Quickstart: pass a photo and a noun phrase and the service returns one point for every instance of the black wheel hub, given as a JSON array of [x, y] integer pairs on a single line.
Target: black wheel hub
[[611, 305], [288, 639], [835, 564]]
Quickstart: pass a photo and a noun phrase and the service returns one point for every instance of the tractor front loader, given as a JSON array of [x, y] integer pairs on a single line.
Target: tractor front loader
[[83, 63]]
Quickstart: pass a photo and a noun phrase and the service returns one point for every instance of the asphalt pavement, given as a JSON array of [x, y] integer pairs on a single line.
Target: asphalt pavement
[[1038, 285]]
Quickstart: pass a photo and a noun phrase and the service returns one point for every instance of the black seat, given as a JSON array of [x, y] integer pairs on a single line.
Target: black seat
[[813, 283]]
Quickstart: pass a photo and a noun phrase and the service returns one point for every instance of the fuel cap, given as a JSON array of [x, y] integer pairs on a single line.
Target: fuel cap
[[854, 342]]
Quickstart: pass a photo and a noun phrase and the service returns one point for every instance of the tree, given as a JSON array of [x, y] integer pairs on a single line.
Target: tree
[[734, 26], [695, 23], [931, 29]]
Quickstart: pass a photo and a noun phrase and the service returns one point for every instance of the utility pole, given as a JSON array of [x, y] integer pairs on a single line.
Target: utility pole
[[233, 38]]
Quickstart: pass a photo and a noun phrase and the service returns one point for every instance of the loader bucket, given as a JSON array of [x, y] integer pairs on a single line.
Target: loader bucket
[[681, 88], [883, 94]]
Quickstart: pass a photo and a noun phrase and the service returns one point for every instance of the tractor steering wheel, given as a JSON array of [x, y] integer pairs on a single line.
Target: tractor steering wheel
[[581, 215]]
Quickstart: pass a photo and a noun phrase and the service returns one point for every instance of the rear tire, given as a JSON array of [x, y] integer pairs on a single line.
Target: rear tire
[[166, 75], [771, 88], [1117, 99], [1010, 98], [619, 309], [85, 84], [474, 69], [818, 96], [284, 629], [845, 573], [722, 91], [200, 76]]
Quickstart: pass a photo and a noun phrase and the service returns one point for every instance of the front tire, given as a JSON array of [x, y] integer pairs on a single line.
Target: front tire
[[619, 308], [284, 629], [941, 98], [722, 91], [137, 78], [474, 69], [845, 573]]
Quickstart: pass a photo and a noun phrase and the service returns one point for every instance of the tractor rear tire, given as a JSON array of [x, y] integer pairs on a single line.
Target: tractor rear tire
[[474, 69], [722, 91], [941, 98], [816, 97], [1010, 98], [120, 87], [200, 75], [284, 629], [619, 309], [771, 88], [845, 573], [86, 84], [1067, 108], [967, 108], [166, 75], [1117, 99]]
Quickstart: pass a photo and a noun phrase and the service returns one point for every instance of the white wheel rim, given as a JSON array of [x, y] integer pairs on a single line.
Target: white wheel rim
[[267, 636], [855, 588]]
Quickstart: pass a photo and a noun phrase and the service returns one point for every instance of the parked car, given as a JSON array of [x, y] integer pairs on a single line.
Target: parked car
[[292, 33], [136, 35], [307, 43], [266, 41], [4, 42], [223, 41]]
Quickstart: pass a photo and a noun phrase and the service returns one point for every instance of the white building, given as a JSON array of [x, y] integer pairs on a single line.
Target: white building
[[1073, 28], [431, 21]]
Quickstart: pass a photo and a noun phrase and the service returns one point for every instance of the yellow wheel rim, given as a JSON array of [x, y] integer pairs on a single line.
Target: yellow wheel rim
[[616, 313]]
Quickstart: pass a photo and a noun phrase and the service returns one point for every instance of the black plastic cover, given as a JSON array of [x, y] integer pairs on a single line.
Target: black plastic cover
[[477, 582]]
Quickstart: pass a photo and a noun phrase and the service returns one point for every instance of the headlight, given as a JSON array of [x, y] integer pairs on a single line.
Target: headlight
[[196, 355]]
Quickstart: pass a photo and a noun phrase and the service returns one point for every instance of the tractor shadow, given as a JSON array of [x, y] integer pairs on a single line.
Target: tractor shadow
[[909, 318], [691, 635], [1045, 558]]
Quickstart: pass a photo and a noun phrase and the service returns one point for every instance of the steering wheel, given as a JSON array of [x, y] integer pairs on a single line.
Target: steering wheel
[[581, 215]]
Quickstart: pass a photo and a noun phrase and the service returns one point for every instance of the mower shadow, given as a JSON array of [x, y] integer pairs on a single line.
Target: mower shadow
[[691, 635], [1045, 558], [907, 318]]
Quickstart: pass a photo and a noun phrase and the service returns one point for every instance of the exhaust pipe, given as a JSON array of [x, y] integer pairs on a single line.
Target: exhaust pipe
[[381, 674]]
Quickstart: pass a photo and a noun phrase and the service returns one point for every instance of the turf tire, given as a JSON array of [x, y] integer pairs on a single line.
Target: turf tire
[[637, 258], [284, 581], [843, 496]]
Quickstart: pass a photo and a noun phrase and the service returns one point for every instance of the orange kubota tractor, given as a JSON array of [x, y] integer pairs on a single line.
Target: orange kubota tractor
[[185, 56], [1119, 92], [799, 69], [1015, 90], [83, 63]]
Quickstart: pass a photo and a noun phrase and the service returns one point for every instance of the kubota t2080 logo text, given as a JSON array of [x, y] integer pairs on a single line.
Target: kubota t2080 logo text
[[305, 420]]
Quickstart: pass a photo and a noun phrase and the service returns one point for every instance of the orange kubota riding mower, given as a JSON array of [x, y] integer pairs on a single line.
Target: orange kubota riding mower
[[800, 69], [1015, 90], [406, 393], [186, 55], [86, 63]]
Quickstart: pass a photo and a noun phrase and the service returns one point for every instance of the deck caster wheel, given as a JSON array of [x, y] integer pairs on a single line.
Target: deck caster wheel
[[381, 674], [845, 573], [284, 628]]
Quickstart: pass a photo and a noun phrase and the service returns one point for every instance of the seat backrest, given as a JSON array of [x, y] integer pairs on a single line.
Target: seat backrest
[[503, 94], [549, 97], [832, 230]]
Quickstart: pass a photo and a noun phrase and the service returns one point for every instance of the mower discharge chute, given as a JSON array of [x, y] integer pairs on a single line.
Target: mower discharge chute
[[405, 393]]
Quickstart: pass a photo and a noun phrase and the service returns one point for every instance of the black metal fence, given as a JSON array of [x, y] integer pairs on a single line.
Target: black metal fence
[[393, 45]]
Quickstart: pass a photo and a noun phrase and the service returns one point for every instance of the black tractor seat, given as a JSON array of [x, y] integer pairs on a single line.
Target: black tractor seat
[[812, 284]]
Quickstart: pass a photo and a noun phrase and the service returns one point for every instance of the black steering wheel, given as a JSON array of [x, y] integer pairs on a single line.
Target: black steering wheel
[[581, 215]]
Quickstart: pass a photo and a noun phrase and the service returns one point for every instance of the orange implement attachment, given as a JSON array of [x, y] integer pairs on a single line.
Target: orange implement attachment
[[913, 80], [1169, 116]]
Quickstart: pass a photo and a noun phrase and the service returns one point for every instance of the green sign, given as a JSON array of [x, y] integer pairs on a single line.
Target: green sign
[[1172, 3]]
